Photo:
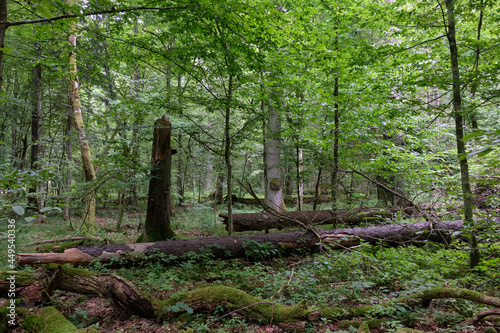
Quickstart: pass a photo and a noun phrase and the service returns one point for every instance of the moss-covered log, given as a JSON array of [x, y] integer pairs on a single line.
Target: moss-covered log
[[123, 295], [207, 299], [49, 320], [352, 217], [238, 247], [128, 299]]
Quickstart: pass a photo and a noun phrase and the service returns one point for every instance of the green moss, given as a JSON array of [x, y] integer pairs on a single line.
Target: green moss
[[364, 328], [3, 319], [33, 323], [49, 320], [372, 323], [70, 271], [232, 299], [490, 330], [22, 277]]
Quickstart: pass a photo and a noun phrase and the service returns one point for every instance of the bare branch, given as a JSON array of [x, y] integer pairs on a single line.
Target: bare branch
[[100, 12]]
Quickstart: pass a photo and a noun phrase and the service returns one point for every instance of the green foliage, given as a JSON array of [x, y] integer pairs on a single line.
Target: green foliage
[[259, 251]]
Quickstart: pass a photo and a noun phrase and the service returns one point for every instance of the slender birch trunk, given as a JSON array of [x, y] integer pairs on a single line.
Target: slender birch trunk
[[88, 169]]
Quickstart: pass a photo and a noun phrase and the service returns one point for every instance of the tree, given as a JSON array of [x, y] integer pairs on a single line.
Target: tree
[[157, 225], [459, 130], [88, 168]]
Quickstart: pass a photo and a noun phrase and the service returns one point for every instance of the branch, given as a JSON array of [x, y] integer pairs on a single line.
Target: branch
[[418, 44], [308, 227], [71, 15]]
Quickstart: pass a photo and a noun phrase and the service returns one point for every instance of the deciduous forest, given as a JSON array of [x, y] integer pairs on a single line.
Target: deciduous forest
[[249, 166]]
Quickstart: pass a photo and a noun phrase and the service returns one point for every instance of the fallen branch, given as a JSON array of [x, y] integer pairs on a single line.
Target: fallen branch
[[62, 240]]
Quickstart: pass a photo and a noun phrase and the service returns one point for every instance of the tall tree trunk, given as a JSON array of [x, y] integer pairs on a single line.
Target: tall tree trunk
[[475, 83], [3, 28], [69, 158], [316, 189], [459, 133], [180, 185], [157, 225], [36, 133], [335, 145], [272, 151], [227, 157], [300, 182], [88, 169]]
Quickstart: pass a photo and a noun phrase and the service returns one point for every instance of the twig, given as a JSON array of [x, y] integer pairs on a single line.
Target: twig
[[285, 285], [482, 284], [243, 308]]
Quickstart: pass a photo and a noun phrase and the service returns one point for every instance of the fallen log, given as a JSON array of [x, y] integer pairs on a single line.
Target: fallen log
[[352, 217], [288, 201], [207, 299], [241, 246]]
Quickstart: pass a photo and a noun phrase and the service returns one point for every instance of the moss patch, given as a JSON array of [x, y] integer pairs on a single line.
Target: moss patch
[[208, 298]]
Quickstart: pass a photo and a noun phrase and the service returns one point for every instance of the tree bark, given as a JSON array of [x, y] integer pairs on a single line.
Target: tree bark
[[36, 191], [157, 225], [3, 29], [265, 221], [459, 132], [123, 295], [227, 157], [69, 159], [272, 151], [236, 247], [88, 169]]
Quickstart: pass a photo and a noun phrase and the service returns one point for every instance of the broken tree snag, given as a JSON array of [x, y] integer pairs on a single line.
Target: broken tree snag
[[157, 225], [123, 295], [266, 221], [237, 247]]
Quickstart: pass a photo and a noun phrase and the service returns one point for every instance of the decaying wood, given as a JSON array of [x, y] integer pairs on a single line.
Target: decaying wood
[[236, 247], [123, 295], [266, 221], [480, 316], [207, 299]]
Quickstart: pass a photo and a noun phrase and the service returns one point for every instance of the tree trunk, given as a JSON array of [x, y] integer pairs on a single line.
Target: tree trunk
[[265, 221], [3, 28], [335, 172], [317, 195], [459, 133], [180, 186], [88, 169], [300, 181], [241, 247], [69, 159], [157, 225], [36, 191], [272, 151], [123, 295], [227, 158]]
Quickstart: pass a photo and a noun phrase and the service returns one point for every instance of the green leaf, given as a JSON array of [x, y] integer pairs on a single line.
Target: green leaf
[[29, 219], [472, 135], [18, 209], [44, 11], [481, 152]]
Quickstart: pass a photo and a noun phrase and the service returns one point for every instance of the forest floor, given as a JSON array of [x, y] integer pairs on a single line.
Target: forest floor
[[365, 275]]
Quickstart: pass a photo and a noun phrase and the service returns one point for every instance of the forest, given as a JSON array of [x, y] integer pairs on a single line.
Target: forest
[[249, 166]]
